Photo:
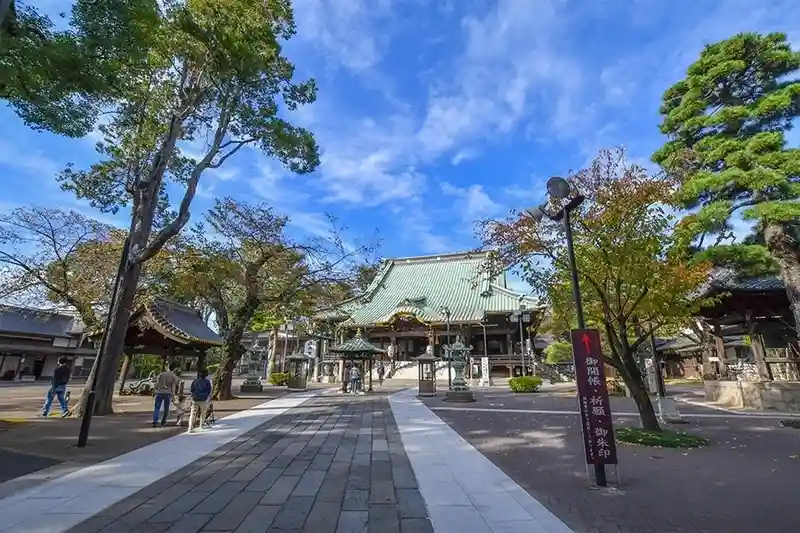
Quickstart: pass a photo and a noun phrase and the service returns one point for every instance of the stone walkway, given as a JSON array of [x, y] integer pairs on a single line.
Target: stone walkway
[[331, 465]]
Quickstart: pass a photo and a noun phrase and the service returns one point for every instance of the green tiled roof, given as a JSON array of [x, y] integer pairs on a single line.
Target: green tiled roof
[[422, 286], [356, 346]]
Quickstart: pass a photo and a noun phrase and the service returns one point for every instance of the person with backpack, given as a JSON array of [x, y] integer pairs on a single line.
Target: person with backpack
[[201, 394], [58, 388]]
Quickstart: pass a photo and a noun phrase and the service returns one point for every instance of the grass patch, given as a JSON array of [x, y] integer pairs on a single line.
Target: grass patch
[[660, 439]]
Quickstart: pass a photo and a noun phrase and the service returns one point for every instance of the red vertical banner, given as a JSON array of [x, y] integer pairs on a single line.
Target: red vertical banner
[[595, 407]]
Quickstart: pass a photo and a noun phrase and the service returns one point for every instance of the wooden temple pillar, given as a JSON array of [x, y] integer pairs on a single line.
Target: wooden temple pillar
[[201, 362], [394, 352], [757, 347], [719, 345]]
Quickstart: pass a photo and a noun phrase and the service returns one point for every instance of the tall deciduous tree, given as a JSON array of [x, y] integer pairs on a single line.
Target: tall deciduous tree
[[215, 76], [727, 124], [58, 256], [242, 261], [631, 271]]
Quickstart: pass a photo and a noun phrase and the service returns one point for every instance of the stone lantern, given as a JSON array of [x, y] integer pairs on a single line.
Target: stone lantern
[[298, 371], [427, 374], [459, 391]]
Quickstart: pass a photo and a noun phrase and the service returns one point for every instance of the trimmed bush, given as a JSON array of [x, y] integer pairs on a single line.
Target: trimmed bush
[[525, 383], [279, 379]]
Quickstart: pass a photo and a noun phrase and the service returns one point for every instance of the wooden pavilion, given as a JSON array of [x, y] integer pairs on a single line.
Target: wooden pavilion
[[765, 372], [356, 349], [168, 329]]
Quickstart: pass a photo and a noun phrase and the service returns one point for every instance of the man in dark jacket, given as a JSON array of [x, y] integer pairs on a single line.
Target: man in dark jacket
[[58, 388], [201, 394]]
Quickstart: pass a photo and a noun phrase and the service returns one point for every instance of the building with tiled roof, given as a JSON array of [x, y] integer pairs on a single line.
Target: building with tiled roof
[[412, 300]]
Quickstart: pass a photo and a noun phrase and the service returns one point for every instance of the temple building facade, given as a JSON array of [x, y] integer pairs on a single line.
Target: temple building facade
[[414, 301]]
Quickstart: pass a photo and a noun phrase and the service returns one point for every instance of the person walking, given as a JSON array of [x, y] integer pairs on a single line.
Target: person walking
[[354, 377], [58, 388], [381, 371], [201, 393], [166, 387]]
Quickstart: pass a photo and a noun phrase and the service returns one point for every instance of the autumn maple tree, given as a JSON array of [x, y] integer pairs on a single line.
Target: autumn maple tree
[[634, 278]]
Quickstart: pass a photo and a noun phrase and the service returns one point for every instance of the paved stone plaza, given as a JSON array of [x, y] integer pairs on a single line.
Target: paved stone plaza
[[321, 462], [746, 481], [332, 465]]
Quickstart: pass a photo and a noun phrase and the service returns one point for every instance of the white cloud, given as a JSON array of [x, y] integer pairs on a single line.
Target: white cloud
[[344, 31], [472, 202]]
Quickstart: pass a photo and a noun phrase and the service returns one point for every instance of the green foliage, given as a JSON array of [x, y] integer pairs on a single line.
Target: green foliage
[[631, 267], [144, 365], [525, 383], [660, 439], [212, 368], [279, 379], [60, 80], [727, 123], [558, 352]]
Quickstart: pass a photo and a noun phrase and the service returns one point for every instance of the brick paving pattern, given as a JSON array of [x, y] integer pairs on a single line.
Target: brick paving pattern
[[744, 482], [333, 465]]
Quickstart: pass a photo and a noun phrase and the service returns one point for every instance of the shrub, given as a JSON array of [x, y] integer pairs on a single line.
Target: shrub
[[525, 383], [279, 379], [615, 387]]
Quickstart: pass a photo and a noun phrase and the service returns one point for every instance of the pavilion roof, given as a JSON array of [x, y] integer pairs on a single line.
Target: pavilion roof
[[422, 286], [728, 280], [176, 322], [356, 346]]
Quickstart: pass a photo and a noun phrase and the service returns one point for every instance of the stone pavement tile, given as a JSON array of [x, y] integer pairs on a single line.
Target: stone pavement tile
[[384, 519], [293, 513], [416, 525], [332, 466], [353, 522], [323, 517], [234, 513], [258, 519]]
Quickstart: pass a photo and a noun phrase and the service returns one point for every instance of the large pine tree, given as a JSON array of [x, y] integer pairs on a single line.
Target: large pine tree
[[727, 123]]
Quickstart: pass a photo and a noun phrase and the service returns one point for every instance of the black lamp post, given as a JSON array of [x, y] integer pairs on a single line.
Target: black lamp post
[[446, 312], [560, 189]]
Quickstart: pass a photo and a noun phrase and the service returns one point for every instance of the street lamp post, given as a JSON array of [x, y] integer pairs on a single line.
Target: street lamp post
[[560, 189], [446, 312]]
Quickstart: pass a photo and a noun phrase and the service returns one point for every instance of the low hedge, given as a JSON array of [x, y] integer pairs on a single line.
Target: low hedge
[[279, 379], [525, 383]]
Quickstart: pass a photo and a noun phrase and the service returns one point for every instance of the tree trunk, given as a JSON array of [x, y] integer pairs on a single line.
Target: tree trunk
[[115, 344], [786, 252], [629, 371], [273, 350], [123, 375], [232, 354]]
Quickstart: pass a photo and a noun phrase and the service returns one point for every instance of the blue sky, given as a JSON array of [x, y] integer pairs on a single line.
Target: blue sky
[[435, 113]]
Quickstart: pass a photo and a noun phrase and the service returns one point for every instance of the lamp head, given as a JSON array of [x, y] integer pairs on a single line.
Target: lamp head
[[558, 188], [536, 213]]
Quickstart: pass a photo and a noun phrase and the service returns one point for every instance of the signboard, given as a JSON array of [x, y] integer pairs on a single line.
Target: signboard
[[310, 348], [484, 371], [595, 408]]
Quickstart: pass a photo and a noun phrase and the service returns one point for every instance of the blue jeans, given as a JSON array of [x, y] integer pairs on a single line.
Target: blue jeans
[[161, 398], [57, 392]]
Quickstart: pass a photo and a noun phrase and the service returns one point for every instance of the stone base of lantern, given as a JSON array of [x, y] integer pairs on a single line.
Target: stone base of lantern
[[459, 396]]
